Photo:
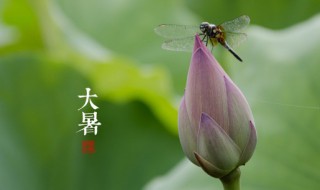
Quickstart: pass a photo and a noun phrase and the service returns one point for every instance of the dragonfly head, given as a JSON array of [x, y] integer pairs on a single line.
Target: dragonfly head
[[204, 26]]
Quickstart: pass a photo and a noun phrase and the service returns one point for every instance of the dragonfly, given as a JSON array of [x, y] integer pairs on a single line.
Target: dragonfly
[[228, 34]]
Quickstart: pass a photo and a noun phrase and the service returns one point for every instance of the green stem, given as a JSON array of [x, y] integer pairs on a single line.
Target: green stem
[[232, 180]]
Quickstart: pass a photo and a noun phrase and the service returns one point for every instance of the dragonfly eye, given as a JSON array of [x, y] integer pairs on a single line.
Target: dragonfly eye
[[204, 26]]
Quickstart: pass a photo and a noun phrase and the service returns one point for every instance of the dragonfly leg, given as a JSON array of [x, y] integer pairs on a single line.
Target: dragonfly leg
[[203, 37], [207, 41]]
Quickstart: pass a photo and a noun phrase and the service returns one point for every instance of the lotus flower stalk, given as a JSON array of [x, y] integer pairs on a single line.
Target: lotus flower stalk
[[216, 126]]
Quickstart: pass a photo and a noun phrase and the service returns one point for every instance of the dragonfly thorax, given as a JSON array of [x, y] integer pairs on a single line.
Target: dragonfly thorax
[[208, 29]]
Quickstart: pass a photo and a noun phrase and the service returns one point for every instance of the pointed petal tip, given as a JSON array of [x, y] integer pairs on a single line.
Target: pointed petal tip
[[201, 56], [253, 133], [204, 118], [251, 124], [253, 130], [207, 121], [201, 50], [197, 42]]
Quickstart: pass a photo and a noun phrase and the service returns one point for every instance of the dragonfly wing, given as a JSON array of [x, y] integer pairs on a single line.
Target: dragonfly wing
[[236, 25], [235, 39], [181, 44], [172, 31]]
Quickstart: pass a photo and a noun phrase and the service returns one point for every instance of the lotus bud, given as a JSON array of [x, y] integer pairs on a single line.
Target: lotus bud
[[216, 126]]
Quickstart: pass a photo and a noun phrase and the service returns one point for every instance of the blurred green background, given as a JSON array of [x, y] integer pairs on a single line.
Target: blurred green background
[[51, 50]]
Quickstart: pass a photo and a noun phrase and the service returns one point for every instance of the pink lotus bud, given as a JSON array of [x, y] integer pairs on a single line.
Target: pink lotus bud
[[216, 127]]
